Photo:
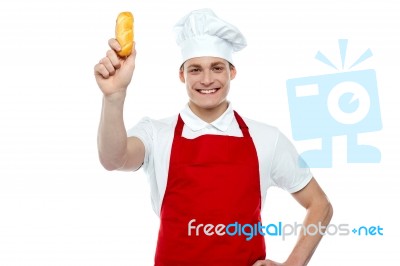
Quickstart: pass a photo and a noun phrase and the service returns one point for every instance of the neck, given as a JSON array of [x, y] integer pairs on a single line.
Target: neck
[[209, 114]]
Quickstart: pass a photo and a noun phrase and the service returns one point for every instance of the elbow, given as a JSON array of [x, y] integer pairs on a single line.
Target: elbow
[[323, 209], [110, 165], [328, 211]]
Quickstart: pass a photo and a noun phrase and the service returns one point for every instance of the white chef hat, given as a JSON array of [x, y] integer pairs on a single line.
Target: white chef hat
[[202, 33]]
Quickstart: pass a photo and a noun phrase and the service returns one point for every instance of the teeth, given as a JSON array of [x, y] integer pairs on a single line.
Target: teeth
[[208, 91]]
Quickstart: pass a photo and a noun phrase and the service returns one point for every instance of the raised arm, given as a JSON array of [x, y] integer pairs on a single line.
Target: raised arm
[[113, 75]]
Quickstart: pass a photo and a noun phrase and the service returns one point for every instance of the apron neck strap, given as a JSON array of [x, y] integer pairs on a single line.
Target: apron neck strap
[[179, 127], [242, 125]]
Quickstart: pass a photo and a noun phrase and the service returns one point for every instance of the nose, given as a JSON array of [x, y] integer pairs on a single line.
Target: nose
[[206, 78]]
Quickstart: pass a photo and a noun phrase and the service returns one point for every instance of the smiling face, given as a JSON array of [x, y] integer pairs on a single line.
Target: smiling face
[[207, 82]]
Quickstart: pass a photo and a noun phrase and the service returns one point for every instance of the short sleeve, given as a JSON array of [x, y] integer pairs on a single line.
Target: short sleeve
[[286, 171], [144, 131]]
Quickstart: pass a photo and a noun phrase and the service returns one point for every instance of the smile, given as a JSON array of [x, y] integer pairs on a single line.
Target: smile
[[208, 91]]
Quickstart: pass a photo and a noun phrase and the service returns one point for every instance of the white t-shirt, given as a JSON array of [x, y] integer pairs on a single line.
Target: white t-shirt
[[278, 159]]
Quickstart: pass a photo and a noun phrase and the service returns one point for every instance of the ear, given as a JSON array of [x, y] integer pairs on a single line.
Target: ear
[[232, 69], [181, 75]]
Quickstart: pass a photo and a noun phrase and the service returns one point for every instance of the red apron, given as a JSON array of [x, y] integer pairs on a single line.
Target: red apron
[[215, 180]]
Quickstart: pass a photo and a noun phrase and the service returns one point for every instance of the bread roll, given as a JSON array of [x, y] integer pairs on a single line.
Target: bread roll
[[124, 33]]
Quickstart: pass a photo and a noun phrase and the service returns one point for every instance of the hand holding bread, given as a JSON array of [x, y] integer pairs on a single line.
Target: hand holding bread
[[114, 71]]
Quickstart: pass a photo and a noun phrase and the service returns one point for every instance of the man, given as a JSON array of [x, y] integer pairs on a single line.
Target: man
[[208, 167]]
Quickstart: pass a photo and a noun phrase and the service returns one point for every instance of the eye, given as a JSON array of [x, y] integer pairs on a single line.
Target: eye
[[218, 69], [194, 70]]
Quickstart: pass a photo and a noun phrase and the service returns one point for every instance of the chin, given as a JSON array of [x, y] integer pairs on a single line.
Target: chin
[[208, 105]]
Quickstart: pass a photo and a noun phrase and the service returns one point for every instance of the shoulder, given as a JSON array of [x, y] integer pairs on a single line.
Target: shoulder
[[258, 128], [166, 122], [154, 126], [268, 137]]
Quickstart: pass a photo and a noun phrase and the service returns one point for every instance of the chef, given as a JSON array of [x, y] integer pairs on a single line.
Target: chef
[[209, 167]]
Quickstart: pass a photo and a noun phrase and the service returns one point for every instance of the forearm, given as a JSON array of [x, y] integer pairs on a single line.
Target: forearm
[[112, 137], [320, 216]]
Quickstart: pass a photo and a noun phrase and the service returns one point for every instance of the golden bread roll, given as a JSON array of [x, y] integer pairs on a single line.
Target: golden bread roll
[[124, 33]]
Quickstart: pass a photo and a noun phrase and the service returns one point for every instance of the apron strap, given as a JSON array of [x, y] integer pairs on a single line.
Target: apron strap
[[242, 125], [239, 119], [179, 127]]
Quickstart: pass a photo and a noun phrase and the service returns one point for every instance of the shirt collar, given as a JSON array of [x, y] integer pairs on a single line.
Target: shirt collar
[[195, 123]]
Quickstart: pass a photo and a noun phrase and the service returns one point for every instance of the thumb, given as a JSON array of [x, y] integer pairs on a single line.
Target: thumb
[[130, 60]]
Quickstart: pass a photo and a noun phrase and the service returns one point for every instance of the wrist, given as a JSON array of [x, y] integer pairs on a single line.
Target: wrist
[[116, 97], [295, 261]]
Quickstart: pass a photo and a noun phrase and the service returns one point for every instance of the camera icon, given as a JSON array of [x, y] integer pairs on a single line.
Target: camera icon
[[325, 106]]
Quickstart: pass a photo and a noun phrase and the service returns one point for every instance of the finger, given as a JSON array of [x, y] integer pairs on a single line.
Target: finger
[[134, 49], [100, 70], [132, 56], [129, 61], [114, 44], [106, 62], [114, 59]]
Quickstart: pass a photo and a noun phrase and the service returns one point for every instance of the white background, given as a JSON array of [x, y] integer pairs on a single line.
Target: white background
[[58, 206]]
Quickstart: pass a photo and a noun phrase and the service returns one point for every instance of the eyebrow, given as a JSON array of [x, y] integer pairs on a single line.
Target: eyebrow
[[194, 65], [217, 63], [212, 64]]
